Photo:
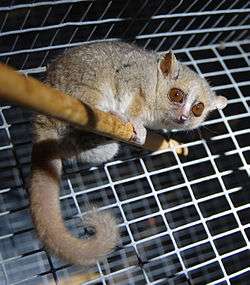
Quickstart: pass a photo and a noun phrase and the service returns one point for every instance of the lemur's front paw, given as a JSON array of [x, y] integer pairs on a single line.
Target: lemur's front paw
[[178, 148], [121, 116], [140, 132]]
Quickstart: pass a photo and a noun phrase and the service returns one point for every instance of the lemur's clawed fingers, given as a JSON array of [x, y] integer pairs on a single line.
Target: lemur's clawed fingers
[[181, 150], [121, 116], [140, 132]]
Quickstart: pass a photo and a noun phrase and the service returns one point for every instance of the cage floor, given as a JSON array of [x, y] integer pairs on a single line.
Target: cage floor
[[183, 220]]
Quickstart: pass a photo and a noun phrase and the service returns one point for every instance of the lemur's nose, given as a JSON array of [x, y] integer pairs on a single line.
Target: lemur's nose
[[183, 118]]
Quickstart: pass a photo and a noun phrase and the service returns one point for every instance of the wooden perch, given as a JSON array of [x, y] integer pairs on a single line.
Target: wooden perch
[[30, 93]]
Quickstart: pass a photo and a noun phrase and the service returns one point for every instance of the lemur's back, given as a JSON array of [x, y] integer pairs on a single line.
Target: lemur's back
[[92, 66]]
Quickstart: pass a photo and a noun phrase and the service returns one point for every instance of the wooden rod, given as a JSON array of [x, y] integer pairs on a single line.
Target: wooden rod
[[30, 93]]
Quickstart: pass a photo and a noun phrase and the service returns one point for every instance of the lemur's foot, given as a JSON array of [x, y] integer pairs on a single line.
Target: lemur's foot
[[181, 150]]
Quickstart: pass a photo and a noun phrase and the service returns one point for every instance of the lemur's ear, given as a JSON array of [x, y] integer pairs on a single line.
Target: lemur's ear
[[220, 102], [169, 66]]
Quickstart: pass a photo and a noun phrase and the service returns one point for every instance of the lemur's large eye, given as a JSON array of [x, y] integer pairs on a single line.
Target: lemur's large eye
[[197, 109], [176, 95]]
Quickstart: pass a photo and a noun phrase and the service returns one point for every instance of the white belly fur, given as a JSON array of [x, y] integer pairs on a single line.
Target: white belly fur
[[117, 104]]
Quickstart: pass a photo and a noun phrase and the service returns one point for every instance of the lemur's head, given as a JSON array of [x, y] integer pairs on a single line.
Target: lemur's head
[[184, 98]]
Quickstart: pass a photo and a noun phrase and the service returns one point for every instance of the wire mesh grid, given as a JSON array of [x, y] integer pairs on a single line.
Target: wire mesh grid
[[183, 220]]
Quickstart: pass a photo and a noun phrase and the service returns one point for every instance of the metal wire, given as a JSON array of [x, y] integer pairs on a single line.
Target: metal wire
[[182, 220]]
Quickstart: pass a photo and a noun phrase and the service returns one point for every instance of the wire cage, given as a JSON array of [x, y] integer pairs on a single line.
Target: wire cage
[[183, 220]]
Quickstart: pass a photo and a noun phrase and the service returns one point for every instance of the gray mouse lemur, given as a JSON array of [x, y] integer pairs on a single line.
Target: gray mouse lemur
[[150, 90]]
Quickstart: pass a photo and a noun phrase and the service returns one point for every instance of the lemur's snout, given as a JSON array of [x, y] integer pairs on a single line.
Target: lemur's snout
[[183, 119]]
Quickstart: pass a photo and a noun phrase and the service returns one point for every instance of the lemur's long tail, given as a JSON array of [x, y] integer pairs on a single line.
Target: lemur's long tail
[[46, 213]]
